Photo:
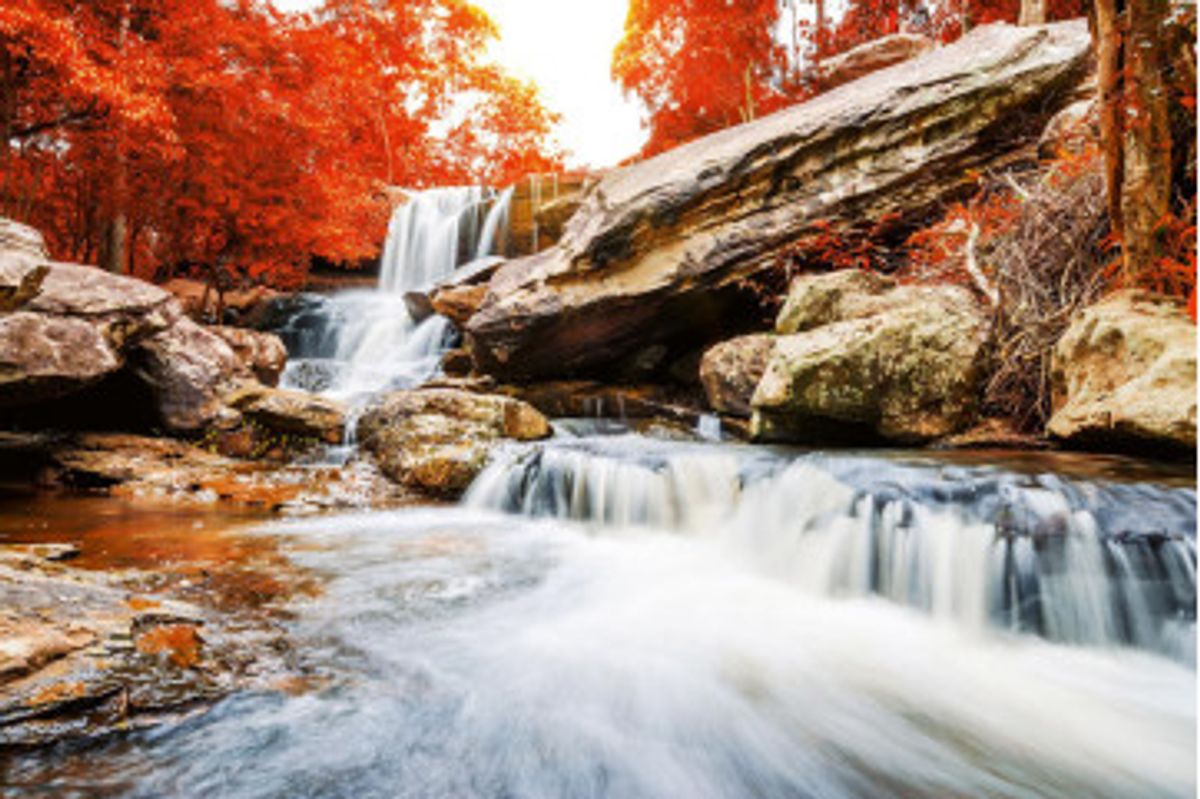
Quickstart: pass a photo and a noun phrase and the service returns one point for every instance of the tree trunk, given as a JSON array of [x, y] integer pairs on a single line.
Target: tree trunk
[[1109, 67], [1146, 190]]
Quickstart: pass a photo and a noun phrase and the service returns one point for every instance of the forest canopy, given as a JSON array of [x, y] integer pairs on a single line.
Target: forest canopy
[[157, 137]]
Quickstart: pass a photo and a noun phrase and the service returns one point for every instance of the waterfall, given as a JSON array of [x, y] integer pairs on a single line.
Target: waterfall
[[1087, 563], [360, 342]]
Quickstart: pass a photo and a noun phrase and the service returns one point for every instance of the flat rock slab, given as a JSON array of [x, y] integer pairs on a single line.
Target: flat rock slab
[[645, 257]]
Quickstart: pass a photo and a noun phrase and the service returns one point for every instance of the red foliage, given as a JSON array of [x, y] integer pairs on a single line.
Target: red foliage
[[243, 142], [699, 65]]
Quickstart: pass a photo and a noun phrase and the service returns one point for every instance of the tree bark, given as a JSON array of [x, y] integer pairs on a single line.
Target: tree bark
[[1146, 190], [1109, 68]]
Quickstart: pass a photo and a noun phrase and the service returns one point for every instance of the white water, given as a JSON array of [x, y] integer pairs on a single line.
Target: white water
[[622, 618], [367, 341]]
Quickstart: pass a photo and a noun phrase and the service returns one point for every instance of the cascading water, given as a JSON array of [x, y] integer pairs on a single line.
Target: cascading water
[[357, 343], [621, 618], [1077, 563]]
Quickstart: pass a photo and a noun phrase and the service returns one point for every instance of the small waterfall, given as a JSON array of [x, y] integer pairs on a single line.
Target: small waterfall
[[358, 343], [1075, 562]]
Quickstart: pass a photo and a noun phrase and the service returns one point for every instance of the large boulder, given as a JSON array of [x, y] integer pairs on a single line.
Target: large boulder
[[654, 247], [46, 357], [904, 367], [438, 440], [264, 354], [1124, 376], [126, 310], [76, 326], [23, 260], [730, 372], [22, 240], [190, 370]]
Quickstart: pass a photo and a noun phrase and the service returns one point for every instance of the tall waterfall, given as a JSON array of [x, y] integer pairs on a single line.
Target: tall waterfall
[[360, 342]]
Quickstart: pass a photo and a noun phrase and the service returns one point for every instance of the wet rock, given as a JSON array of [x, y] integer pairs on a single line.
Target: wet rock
[[294, 413], [588, 399], [190, 369], [908, 372], [45, 357], [1124, 376], [871, 57], [457, 363], [730, 372], [262, 353], [656, 249], [438, 440], [175, 473], [458, 303]]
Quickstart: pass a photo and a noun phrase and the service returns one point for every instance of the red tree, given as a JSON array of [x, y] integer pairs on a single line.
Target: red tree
[[223, 137]]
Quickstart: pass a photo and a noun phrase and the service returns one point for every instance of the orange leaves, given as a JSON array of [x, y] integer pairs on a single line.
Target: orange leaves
[[699, 66], [239, 141]]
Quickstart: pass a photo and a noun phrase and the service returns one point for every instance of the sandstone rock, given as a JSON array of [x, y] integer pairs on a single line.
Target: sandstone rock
[[871, 57], [45, 357], [731, 370], [837, 296], [124, 309], [262, 353], [458, 303], [438, 439], [1124, 375], [190, 369], [908, 373], [291, 412], [646, 258]]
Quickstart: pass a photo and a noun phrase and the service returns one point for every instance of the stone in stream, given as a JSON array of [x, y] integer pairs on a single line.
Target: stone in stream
[[1124, 376], [903, 365], [264, 354], [731, 371], [290, 413], [438, 440], [657, 248]]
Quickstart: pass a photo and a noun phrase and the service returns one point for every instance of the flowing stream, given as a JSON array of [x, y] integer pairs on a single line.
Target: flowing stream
[[615, 616], [610, 615]]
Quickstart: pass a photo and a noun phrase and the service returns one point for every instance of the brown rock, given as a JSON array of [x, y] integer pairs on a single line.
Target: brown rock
[[458, 303], [813, 301], [295, 413], [1124, 376], [45, 357], [731, 371], [646, 257], [190, 369], [262, 353], [438, 440], [908, 373], [22, 240]]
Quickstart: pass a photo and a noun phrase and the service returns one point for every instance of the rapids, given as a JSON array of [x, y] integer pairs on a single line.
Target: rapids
[[613, 616]]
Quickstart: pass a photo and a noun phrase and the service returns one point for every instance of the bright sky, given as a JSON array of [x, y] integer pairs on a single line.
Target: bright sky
[[565, 46]]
